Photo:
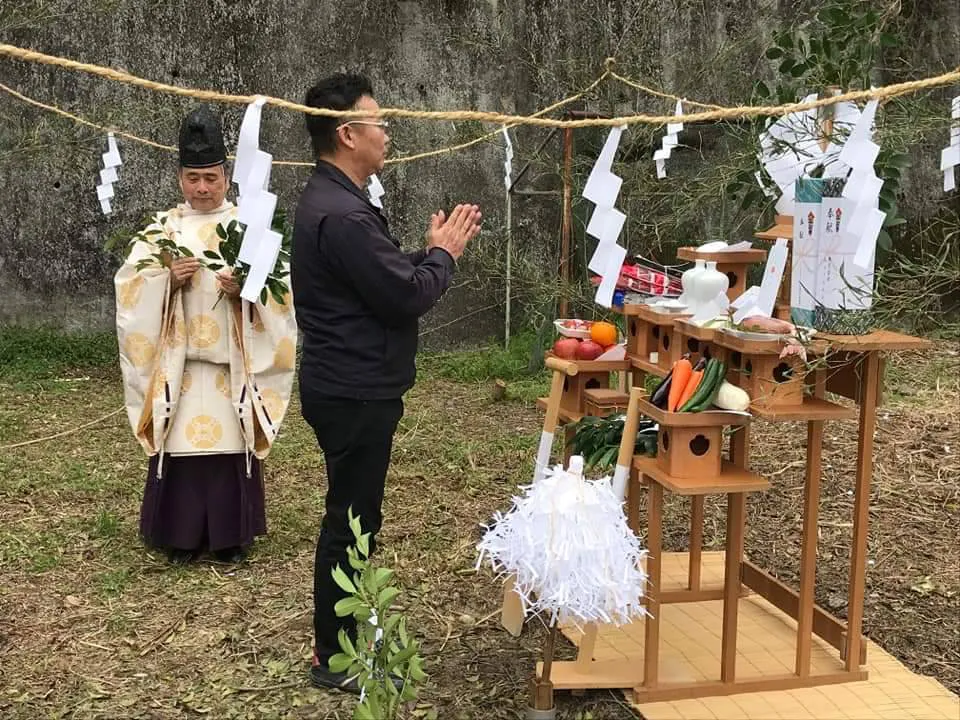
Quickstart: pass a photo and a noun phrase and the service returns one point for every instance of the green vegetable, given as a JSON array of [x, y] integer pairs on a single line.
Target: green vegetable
[[704, 388], [598, 439], [711, 394]]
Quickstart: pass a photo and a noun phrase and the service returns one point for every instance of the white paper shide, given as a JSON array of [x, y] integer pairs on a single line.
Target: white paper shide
[[508, 157], [950, 157], [109, 175], [606, 223], [791, 146], [256, 204], [568, 546], [669, 142]]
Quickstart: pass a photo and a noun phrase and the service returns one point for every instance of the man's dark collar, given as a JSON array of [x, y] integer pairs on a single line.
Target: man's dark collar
[[331, 171]]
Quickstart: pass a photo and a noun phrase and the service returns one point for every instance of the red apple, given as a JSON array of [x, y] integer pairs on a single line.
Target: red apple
[[589, 350], [566, 348]]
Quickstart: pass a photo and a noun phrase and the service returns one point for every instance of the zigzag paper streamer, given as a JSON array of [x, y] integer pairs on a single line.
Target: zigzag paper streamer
[[950, 157], [508, 161], [607, 222], [109, 175], [670, 141]]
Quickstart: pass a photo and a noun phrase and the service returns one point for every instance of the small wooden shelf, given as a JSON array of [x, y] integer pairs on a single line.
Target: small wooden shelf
[[782, 229], [647, 313], [876, 340], [584, 366], [773, 346], [730, 480], [688, 329], [628, 310], [822, 343], [736, 257], [565, 416], [648, 367], [708, 418], [811, 409], [609, 396]]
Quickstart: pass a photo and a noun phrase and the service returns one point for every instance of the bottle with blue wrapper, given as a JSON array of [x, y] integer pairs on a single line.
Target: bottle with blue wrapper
[[618, 297]]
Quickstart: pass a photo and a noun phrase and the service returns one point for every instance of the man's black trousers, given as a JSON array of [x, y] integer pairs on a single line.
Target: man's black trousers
[[356, 437]]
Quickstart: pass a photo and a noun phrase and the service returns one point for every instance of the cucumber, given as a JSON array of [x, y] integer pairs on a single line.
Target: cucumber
[[705, 387], [712, 395]]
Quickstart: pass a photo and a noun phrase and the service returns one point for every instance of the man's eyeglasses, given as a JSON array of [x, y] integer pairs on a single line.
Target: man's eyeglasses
[[378, 123]]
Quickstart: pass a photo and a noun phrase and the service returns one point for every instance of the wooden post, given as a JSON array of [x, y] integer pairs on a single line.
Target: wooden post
[[623, 471], [566, 231], [633, 501], [651, 643], [541, 687], [869, 387], [696, 541], [736, 511], [733, 558], [509, 269], [808, 552], [511, 612]]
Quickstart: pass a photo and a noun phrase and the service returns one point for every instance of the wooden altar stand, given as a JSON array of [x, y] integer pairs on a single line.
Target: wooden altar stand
[[718, 624]]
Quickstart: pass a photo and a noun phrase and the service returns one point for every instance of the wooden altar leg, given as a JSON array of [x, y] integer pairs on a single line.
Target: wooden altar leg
[[696, 541], [869, 384], [651, 644], [740, 446], [736, 506], [808, 552]]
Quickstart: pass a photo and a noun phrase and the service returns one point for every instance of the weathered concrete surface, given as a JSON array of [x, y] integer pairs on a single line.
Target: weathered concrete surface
[[435, 54]]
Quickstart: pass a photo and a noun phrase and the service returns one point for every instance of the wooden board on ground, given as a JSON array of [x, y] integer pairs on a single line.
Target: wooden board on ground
[[690, 650]]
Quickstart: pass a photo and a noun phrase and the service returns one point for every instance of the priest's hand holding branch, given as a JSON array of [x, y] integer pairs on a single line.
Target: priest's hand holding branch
[[228, 286], [181, 270], [452, 234]]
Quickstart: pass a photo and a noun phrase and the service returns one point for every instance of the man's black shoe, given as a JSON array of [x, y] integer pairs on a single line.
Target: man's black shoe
[[322, 677]]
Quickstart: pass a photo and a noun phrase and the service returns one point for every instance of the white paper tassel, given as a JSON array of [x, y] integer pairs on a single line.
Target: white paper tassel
[[670, 141], [109, 175], [950, 157], [568, 546], [508, 159], [602, 188]]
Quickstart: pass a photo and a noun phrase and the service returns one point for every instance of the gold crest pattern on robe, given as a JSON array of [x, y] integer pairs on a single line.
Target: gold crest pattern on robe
[[200, 379]]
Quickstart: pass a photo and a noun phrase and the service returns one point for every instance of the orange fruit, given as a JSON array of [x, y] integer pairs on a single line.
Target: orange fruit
[[604, 334]]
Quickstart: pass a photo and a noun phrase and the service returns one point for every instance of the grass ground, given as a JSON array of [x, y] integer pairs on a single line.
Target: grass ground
[[92, 625]]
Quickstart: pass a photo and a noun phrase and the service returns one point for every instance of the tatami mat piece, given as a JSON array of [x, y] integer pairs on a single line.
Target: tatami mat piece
[[766, 644]]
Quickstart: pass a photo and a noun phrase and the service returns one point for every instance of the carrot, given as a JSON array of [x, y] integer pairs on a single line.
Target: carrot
[[682, 369], [695, 377]]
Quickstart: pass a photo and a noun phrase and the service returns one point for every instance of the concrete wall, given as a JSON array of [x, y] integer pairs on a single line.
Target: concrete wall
[[436, 54]]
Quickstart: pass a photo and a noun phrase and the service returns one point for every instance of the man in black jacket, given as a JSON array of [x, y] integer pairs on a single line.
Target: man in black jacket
[[358, 298]]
